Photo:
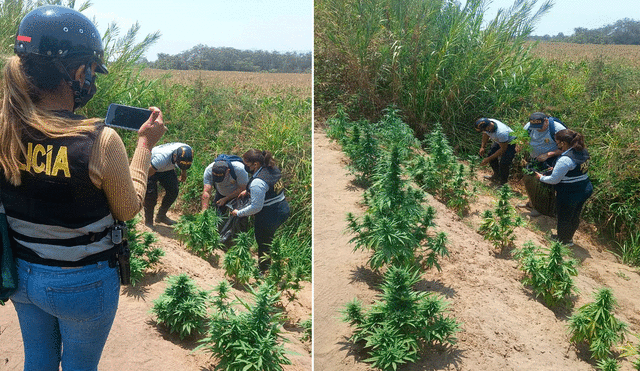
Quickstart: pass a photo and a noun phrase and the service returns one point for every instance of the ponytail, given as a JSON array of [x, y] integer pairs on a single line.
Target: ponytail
[[573, 138], [264, 158]]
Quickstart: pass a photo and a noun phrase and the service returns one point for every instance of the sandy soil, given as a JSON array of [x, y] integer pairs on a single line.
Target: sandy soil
[[137, 343], [503, 326]]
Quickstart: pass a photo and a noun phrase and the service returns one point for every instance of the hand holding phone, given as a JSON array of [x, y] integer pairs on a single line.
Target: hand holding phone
[[152, 130], [126, 117]]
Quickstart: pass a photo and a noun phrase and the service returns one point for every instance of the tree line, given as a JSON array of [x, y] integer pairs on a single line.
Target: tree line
[[202, 57], [624, 32]]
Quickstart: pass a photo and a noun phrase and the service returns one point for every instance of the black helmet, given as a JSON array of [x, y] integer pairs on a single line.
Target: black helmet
[[60, 33], [183, 157]]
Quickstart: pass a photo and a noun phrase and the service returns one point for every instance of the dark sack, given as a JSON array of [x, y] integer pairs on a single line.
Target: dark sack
[[8, 272], [541, 195], [234, 225]]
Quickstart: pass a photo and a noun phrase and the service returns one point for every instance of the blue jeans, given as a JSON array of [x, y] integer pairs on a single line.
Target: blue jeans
[[65, 314]]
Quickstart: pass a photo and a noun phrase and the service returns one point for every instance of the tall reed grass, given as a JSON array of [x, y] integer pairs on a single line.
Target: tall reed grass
[[435, 60]]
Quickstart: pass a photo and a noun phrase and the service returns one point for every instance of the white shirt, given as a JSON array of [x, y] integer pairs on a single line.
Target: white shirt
[[161, 156]]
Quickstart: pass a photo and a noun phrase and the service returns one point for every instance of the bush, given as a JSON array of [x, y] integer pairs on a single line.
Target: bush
[[182, 308], [200, 232], [143, 255], [595, 324], [246, 341], [499, 225], [549, 275], [401, 323]]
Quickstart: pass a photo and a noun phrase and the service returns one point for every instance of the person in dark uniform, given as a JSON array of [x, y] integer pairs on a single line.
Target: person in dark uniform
[[165, 160], [64, 180], [571, 179], [502, 150], [267, 203]]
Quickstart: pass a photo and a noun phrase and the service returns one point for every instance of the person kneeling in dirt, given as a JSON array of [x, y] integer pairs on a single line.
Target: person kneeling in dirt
[[267, 203], [228, 178], [572, 184], [164, 161], [543, 149], [502, 151]]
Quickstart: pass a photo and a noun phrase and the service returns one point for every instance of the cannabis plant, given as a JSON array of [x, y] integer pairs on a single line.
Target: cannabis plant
[[441, 174], [307, 325], [182, 308], [284, 273], [608, 364], [401, 323], [629, 349], [549, 275], [395, 225], [200, 232], [143, 255], [238, 262], [499, 225], [250, 340], [595, 324], [338, 126], [391, 131], [363, 151]]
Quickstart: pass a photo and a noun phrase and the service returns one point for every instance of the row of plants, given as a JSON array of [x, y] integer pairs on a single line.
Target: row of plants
[[403, 321], [241, 340], [549, 273]]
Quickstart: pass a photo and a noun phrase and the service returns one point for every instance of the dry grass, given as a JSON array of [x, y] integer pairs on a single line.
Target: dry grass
[[628, 54], [300, 83]]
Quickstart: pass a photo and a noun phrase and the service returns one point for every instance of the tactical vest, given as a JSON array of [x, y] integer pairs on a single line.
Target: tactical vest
[[580, 172], [271, 176], [57, 212]]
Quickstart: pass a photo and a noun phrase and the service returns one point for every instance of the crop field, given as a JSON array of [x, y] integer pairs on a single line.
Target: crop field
[[300, 83], [628, 54]]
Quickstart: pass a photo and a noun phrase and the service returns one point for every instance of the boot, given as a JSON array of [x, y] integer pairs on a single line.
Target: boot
[[163, 218], [148, 219]]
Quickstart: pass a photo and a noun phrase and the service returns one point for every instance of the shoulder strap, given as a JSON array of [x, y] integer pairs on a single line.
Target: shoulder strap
[[232, 171]]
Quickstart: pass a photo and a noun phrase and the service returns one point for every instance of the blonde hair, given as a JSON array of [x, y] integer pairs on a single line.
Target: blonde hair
[[19, 115]]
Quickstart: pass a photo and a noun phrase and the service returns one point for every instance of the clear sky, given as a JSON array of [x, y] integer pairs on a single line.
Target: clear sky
[[271, 25], [566, 15]]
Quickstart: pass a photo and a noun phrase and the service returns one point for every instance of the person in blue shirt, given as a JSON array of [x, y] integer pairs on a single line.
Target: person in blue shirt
[[543, 149], [268, 204], [502, 150], [572, 184], [541, 140]]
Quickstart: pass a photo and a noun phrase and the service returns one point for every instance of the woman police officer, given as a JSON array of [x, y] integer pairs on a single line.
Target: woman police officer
[[571, 181], [64, 179], [267, 204]]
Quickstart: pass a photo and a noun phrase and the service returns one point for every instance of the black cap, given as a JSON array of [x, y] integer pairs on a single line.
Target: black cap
[[536, 120], [183, 157]]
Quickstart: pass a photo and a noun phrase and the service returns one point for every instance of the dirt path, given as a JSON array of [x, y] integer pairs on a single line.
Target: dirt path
[[503, 326], [136, 343]]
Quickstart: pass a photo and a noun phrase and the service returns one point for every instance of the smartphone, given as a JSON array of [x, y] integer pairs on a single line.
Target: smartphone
[[126, 117]]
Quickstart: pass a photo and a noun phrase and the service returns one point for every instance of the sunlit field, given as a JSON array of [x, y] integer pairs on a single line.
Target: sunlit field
[[629, 54], [298, 83]]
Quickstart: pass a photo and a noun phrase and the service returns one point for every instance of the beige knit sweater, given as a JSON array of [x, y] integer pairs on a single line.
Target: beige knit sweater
[[124, 185]]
